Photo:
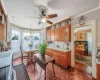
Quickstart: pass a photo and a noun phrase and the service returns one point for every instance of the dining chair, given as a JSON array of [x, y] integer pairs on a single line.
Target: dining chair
[[24, 55]]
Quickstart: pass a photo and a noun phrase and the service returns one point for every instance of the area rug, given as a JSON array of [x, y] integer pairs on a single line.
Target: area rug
[[87, 60], [21, 72]]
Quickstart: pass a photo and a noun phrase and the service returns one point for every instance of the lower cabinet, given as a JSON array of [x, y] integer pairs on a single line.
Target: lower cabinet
[[61, 58], [98, 71], [49, 53]]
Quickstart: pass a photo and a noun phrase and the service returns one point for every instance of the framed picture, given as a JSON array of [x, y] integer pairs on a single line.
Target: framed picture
[[81, 36]]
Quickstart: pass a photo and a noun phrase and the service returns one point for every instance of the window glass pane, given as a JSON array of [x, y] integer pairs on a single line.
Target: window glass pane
[[35, 40], [26, 41], [15, 42]]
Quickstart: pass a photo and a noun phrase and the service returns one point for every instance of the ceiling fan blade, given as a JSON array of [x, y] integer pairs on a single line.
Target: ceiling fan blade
[[49, 22], [51, 16]]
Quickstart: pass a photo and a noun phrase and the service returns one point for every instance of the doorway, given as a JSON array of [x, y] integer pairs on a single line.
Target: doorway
[[83, 48]]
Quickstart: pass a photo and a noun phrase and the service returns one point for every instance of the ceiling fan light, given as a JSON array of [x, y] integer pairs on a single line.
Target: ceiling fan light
[[43, 20]]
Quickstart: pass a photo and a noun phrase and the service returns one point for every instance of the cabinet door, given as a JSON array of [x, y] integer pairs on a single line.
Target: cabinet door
[[68, 55], [49, 53], [98, 71], [61, 60], [1, 32], [63, 33], [68, 33], [48, 35], [54, 55], [52, 34], [57, 34]]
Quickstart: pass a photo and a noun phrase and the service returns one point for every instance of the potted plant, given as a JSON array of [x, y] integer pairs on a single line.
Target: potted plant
[[42, 49], [30, 45]]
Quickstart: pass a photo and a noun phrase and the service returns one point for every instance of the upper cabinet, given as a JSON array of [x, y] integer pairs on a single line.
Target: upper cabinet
[[59, 32], [48, 35], [68, 33], [1, 33], [52, 34], [62, 33], [3, 25]]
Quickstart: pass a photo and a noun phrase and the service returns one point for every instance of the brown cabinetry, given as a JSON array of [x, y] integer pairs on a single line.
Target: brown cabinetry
[[61, 58], [48, 35], [62, 33], [68, 33], [1, 33], [52, 34], [57, 34], [3, 26], [98, 71]]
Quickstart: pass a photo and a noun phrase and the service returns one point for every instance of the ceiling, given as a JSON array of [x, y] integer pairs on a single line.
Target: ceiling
[[18, 10]]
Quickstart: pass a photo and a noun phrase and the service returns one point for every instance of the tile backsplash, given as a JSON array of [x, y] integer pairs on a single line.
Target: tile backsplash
[[61, 45]]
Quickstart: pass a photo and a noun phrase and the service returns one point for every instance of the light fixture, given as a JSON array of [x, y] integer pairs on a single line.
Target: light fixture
[[43, 20], [82, 20], [30, 35]]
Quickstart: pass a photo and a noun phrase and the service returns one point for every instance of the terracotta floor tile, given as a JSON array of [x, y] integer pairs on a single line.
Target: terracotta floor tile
[[61, 74]]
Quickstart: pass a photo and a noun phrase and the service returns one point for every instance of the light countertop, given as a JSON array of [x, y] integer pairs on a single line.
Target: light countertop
[[59, 49]]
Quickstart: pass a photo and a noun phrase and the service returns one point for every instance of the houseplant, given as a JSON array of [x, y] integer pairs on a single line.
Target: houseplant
[[30, 45], [42, 49]]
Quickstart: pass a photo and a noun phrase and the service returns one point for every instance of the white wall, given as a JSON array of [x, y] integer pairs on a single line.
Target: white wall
[[98, 32]]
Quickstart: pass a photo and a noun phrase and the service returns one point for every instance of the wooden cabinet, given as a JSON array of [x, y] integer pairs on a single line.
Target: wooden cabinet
[[52, 34], [57, 34], [62, 33], [68, 33], [65, 33], [64, 59], [61, 58], [48, 35], [1, 33], [98, 71], [3, 26], [48, 52]]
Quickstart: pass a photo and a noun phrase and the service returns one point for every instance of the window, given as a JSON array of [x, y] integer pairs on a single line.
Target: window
[[15, 41], [36, 40], [26, 41]]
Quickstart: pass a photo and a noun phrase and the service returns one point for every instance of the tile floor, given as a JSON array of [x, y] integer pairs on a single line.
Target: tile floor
[[61, 74]]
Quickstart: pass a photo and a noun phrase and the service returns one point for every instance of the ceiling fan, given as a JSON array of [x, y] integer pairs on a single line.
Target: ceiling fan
[[45, 18]]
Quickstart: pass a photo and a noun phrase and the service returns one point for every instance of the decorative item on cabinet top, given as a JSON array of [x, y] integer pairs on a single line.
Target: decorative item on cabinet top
[[63, 23], [98, 55], [98, 52]]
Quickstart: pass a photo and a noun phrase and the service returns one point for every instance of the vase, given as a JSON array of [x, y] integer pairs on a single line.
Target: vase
[[42, 56]]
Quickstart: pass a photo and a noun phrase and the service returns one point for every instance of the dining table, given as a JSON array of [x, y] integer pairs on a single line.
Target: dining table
[[31, 56], [43, 62]]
